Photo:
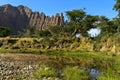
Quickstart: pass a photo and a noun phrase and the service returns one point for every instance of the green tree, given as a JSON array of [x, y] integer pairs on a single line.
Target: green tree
[[43, 33], [4, 31], [103, 24], [76, 15], [116, 22], [55, 30], [30, 31], [80, 22], [106, 26], [117, 8], [89, 22]]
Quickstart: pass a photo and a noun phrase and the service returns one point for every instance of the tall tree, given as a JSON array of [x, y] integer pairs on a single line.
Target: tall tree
[[117, 5], [76, 15], [116, 22], [103, 24], [117, 8], [75, 18], [80, 22]]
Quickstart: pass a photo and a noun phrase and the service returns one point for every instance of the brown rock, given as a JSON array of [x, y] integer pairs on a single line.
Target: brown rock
[[19, 18]]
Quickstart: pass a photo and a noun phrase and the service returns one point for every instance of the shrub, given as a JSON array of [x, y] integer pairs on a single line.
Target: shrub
[[109, 75], [75, 74], [1, 43], [4, 32], [43, 33], [45, 71]]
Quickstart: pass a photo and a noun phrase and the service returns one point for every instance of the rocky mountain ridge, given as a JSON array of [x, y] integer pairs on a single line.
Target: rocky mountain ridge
[[19, 18]]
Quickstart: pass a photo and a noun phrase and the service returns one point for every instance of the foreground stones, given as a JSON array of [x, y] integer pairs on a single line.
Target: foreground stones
[[14, 67], [11, 69]]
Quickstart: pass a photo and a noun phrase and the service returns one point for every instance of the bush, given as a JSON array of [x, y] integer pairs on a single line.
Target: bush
[[109, 75], [43, 33], [75, 74], [4, 32], [45, 71], [1, 43]]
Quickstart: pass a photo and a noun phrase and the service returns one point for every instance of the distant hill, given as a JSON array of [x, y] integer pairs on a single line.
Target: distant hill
[[19, 18]]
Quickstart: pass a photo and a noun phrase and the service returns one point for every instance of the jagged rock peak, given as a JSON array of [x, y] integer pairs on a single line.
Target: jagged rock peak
[[20, 17], [7, 5]]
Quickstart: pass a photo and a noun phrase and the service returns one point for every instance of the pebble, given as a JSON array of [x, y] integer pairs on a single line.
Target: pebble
[[11, 69]]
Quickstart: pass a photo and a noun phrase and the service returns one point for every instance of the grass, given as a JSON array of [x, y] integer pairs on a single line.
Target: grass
[[22, 50], [71, 73], [66, 62], [106, 64], [44, 72], [109, 75], [61, 57]]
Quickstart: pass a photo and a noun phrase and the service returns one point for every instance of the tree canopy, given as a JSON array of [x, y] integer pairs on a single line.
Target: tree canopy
[[117, 5], [80, 22], [4, 31]]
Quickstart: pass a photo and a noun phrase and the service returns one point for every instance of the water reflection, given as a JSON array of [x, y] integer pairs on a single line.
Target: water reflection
[[93, 73]]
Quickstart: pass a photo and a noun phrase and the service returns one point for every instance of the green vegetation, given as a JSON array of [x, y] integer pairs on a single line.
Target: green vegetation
[[26, 45], [117, 5], [45, 71], [80, 22], [75, 74], [68, 53], [4, 32], [74, 65]]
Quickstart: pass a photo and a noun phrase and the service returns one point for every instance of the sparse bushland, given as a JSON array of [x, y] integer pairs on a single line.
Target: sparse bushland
[[60, 65], [74, 65], [70, 57], [26, 45], [69, 54]]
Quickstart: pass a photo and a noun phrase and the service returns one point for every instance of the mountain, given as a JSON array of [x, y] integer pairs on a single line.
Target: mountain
[[19, 18]]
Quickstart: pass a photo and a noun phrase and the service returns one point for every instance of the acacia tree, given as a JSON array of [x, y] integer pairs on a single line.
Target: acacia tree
[[117, 20], [103, 24], [117, 6], [107, 26], [80, 22], [75, 17]]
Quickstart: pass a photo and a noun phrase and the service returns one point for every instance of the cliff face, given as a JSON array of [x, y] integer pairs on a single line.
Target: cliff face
[[41, 21], [20, 17]]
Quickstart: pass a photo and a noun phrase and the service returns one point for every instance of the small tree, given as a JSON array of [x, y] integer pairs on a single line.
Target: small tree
[[4, 31], [55, 30], [30, 31], [43, 33]]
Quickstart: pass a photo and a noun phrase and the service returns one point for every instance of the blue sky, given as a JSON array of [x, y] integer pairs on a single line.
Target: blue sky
[[51, 7]]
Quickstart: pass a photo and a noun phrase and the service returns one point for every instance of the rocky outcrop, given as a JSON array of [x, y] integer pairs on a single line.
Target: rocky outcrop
[[41, 21], [13, 18], [19, 18]]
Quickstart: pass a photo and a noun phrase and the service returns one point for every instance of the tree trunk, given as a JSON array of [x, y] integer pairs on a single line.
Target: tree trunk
[[74, 32]]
